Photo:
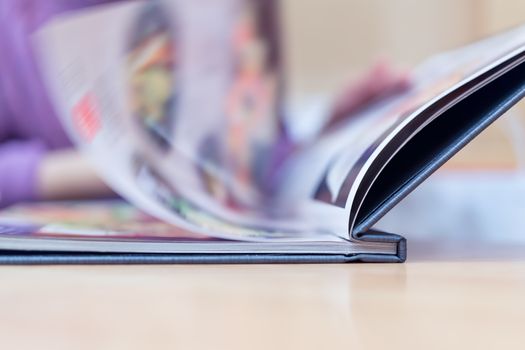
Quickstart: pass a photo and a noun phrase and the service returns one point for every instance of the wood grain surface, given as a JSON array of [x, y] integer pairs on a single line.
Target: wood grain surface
[[434, 301]]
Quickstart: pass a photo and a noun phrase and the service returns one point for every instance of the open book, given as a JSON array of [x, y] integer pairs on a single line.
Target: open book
[[181, 106]]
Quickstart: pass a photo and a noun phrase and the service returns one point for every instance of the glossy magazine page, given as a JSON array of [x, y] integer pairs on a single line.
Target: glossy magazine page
[[342, 159], [177, 104], [116, 226]]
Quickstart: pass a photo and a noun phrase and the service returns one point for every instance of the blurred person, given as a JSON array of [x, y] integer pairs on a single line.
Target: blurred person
[[37, 159]]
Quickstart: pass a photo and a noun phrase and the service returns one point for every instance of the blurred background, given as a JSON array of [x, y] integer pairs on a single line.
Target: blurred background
[[479, 196], [345, 37]]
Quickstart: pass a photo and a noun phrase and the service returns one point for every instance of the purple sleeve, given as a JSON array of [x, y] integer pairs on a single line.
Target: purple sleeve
[[19, 162]]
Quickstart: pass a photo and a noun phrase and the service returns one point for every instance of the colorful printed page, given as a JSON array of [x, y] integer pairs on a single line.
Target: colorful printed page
[[179, 105]]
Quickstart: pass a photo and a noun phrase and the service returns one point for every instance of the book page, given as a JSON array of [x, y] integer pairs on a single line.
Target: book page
[[177, 104], [330, 170]]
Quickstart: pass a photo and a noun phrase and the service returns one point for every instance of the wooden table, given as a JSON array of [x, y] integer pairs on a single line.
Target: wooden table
[[468, 297]]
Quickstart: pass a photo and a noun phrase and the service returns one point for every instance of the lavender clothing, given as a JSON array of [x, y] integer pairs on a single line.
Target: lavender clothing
[[29, 127]]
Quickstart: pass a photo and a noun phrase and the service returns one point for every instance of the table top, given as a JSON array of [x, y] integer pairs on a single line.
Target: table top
[[471, 296]]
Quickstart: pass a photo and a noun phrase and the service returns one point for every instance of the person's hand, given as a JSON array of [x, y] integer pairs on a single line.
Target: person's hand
[[67, 175], [380, 81]]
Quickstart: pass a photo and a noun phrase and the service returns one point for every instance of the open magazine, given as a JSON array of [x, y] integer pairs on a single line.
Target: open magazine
[[181, 106]]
